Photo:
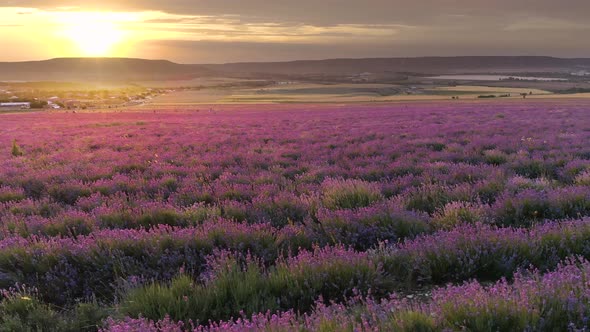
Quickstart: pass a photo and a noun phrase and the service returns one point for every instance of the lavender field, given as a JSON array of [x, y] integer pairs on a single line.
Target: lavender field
[[419, 217]]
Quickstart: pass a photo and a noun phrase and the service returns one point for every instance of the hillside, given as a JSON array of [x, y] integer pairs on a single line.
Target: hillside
[[127, 69], [98, 69], [425, 65]]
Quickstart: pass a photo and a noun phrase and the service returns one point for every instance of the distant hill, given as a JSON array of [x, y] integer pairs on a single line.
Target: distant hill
[[126, 69], [98, 69], [425, 65]]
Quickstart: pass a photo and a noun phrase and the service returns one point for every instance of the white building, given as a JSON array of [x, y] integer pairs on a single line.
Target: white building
[[581, 73], [21, 105], [53, 105]]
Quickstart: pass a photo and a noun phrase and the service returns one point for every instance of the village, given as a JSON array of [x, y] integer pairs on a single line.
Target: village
[[23, 97]]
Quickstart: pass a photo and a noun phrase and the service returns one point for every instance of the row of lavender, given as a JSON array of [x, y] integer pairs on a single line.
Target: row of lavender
[[235, 284], [344, 203], [112, 168], [555, 301], [66, 269], [244, 211]]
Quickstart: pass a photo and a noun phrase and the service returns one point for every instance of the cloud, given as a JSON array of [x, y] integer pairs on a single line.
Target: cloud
[[287, 29], [329, 12], [187, 51], [546, 24]]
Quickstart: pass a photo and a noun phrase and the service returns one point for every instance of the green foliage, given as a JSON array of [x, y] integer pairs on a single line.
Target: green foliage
[[69, 226], [495, 157], [232, 290], [121, 219], [69, 194], [16, 151], [199, 213], [533, 207], [300, 288], [188, 199], [87, 316], [458, 213], [583, 178], [160, 217], [493, 317], [410, 321], [34, 188], [234, 211], [436, 146], [11, 197], [36, 104], [365, 230], [428, 198], [22, 311], [245, 287], [350, 194], [532, 169], [26, 313], [488, 191], [281, 211]]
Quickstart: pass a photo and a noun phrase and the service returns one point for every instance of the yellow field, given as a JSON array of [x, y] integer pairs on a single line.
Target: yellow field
[[196, 82], [489, 90], [205, 96], [341, 93]]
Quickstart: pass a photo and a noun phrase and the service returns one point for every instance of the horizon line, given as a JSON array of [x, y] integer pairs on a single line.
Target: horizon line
[[300, 60]]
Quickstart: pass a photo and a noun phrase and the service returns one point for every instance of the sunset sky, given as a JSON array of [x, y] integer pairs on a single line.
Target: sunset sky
[[198, 31]]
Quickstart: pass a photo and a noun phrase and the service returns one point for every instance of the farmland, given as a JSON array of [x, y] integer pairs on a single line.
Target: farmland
[[336, 93], [333, 92], [299, 217]]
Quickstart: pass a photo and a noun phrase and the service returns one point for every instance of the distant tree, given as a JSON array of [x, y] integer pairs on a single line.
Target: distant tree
[[16, 150], [38, 104]]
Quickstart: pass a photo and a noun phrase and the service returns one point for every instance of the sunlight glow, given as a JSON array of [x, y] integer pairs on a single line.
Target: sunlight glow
[[94, 34], [32, 33], [94, 38]]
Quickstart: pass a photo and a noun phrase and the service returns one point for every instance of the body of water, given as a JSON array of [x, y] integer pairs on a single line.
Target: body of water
[[493, 78]]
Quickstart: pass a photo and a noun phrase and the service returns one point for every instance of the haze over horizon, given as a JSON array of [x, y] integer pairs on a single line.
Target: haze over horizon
[[223, 31]]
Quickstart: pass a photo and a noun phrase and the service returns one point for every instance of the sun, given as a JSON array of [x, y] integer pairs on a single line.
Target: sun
[[93, 35]]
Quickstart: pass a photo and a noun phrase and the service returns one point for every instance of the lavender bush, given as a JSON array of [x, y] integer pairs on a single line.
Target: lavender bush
[[303, 203], [555, 301]]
